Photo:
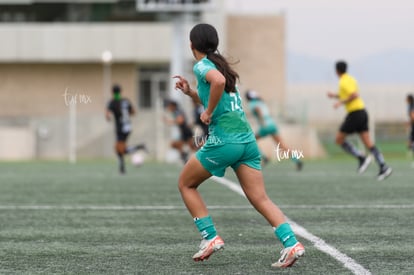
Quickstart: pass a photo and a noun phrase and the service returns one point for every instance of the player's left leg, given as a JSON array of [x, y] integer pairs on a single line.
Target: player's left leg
[[411, 145], [120, 148], [259, 135], [251, 181], [134, 148]]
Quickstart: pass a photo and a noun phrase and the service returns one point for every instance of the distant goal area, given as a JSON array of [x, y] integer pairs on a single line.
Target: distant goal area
[[174, 5]]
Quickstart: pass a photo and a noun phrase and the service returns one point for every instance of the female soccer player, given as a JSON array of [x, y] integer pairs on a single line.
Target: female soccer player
[[267, 125], [410, 103], [231, 142]]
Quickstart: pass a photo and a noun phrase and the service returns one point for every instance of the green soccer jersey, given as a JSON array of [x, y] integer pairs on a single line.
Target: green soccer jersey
[[228, 121], [266, 119]]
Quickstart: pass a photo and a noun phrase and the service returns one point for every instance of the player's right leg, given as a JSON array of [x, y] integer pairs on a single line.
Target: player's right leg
[[252, 183], [192, 175], [385, 171]]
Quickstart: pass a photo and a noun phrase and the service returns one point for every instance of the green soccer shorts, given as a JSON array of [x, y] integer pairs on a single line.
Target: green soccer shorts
[[215, 158], [268, 130]]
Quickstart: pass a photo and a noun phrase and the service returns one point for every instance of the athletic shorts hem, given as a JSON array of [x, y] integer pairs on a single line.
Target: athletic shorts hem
[[355, 122], [216, 158]]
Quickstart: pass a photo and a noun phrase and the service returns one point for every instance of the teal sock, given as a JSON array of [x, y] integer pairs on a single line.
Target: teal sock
[[295, 159], [206, 227], [285, 234]]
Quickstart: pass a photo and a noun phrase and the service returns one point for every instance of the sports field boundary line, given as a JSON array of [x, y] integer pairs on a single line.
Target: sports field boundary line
[[319, 243], [115, 207], [182, 207]]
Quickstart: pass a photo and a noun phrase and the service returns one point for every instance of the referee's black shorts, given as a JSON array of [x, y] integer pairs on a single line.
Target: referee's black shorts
[[355, 122]]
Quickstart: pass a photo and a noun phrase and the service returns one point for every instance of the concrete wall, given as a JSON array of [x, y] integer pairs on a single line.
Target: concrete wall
[[39, 89], [84, 43], [258, 42], [40, 62], [17, 143], [310, 105]]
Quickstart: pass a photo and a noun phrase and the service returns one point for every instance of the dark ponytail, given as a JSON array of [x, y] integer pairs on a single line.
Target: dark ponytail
[[204, 38], [223, 67]]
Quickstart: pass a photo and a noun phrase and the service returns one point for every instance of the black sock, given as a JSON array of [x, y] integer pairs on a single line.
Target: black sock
[[121, 163], [377, 155], [131, 149], [350, 149]]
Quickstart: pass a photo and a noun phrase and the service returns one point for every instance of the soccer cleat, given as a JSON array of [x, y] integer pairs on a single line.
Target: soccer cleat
[[363, 164], [384, 173], [289, 255], [208, 247]]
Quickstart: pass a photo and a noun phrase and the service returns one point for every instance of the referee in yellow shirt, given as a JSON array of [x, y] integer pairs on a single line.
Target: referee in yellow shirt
[[356, 121]]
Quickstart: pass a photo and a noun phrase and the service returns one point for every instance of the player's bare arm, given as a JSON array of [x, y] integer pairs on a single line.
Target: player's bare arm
[[352, 97], [108, 115], [180, 120], [332, 95], [217, 84], [183, 85], [132, 111]]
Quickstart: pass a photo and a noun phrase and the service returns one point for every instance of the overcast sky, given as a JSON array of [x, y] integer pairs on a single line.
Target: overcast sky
[[348, 29]]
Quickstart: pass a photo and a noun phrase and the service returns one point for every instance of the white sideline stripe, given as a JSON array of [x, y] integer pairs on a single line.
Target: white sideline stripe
[[349, 206], [175, 207], [112, 207], [319, 243]]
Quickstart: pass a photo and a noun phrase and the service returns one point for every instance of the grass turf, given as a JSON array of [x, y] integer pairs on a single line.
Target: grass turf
[[348, 211]]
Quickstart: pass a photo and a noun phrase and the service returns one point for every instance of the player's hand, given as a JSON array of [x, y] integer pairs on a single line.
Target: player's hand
[[182, 84], [205, 117], [337, 104], [332, 95]]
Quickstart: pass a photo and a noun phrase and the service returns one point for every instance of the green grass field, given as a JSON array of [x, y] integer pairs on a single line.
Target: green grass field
[[59, 218]]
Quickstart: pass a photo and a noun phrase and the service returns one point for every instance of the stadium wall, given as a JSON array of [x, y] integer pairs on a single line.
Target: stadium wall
[[309, 104], [40, 62], [256, 43]]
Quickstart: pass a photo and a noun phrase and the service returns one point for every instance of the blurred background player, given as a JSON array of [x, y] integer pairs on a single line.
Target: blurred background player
[[410, 103], [201, 129], [185, 137], [356, 121], [267, 126], [122, 110]]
